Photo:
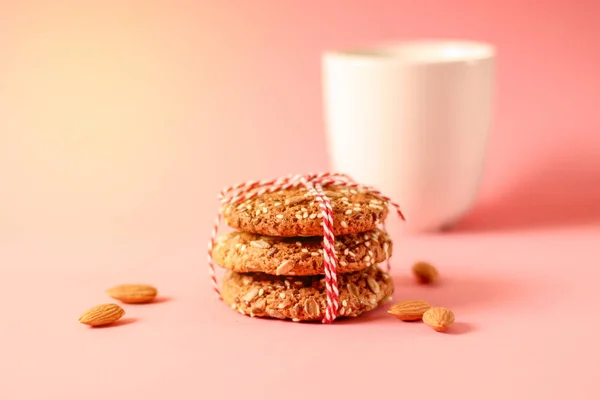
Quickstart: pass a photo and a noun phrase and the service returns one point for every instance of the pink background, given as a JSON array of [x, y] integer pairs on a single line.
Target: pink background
[[120, 120]]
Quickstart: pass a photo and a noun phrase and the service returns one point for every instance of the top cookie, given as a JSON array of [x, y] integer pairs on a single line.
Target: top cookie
[[295, 212]]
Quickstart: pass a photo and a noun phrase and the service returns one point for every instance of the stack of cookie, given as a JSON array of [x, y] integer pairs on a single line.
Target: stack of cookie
[[275, 257]]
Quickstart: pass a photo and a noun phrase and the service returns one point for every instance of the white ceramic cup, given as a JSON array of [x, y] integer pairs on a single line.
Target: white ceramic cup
[[413, 120]]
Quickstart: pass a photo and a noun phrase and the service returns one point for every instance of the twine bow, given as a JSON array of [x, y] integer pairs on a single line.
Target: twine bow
[[314, 183]]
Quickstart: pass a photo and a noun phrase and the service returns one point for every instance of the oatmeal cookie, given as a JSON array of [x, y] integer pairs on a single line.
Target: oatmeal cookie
[[249, 252], [304, 298], [295, 212]]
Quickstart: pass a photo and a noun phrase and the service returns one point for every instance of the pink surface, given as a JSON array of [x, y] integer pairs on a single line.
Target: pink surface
[[119, 121], [524, 304]]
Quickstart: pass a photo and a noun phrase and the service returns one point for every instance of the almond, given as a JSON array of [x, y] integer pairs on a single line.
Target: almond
[[439, 318], [409, 310], [135, 294], [425, 272], [103, 314]]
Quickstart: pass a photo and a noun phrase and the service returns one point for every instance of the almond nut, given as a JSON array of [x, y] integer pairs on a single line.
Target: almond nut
[[425, 272], [439, 318], [409, 310], [133, 294], [103, 314]]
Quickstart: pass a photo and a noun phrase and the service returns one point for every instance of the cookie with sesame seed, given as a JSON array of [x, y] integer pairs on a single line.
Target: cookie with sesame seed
[[249, 252], [304, 298], [295, 212]]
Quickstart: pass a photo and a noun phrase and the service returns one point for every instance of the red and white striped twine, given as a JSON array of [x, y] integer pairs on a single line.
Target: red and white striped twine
[[314, 183]]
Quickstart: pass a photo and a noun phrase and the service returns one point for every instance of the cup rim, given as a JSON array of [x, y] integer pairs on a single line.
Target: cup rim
[[410, 52]]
